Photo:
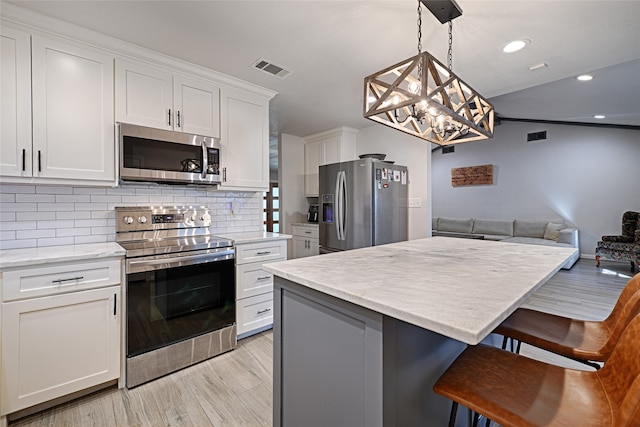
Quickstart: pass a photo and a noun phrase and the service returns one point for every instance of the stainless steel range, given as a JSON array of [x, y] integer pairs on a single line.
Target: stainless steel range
[[180, 289]]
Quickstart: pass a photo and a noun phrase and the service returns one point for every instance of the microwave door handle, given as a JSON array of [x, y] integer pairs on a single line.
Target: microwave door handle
[[205, 160]]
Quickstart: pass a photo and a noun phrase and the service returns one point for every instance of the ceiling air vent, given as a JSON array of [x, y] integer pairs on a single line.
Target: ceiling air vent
[[536, 136], [270, 68]]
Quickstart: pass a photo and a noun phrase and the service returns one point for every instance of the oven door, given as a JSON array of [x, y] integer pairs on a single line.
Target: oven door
[[175, 297]]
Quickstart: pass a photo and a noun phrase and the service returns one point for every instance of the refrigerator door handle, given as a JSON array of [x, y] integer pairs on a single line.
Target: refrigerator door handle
[[337, 201], [343, 206]]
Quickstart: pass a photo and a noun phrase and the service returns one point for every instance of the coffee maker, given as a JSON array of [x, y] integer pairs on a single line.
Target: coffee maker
[[312, 214]]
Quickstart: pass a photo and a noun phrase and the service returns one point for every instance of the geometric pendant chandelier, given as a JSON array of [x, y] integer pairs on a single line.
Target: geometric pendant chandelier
[[422, 97]]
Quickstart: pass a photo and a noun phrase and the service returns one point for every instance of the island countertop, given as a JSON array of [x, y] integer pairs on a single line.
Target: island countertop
[[460, 288]]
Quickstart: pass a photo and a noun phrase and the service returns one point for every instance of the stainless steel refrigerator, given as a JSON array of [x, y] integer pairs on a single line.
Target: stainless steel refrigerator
[[362, 203]]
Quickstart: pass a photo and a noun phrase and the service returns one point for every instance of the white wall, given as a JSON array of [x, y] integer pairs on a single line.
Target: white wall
[[293, 203], [405, 150], [45, 215], [587, 175]]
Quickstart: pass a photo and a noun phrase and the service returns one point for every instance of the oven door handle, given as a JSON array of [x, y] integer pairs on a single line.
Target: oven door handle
[[136, 266]]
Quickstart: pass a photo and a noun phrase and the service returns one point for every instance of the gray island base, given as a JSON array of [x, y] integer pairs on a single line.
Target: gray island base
[[360, 337]]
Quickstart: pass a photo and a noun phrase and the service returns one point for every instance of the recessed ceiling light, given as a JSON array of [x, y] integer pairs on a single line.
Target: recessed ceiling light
[[585, 78], [599, 116], [515, 45]]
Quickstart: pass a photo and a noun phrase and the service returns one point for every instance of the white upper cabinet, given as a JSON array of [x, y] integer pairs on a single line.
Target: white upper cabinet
[[333, 146], [244, 157], [197, 105], [57, 112], [15, 89], [155, 97]]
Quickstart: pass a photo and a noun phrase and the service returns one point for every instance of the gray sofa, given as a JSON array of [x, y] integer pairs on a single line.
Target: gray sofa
[[542, 232]]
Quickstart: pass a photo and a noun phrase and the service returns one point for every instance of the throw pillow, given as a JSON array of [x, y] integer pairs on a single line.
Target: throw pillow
[[552, 232]]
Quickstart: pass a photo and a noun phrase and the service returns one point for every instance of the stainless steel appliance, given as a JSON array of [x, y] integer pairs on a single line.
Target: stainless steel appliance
[[312, 214], [180, 290], [157, 155], [362, 203]]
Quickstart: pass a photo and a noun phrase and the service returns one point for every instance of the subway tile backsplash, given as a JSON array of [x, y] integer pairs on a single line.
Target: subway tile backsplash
[[42, 215]]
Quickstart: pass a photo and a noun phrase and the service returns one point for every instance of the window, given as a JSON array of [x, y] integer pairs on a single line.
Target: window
[[271, 209]]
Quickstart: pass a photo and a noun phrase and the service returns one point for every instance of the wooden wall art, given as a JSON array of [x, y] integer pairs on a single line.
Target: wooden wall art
[[472, 175]]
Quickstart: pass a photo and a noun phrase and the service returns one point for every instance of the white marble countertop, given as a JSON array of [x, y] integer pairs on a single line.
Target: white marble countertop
[[460, 288], [31, 256], [253, 236]]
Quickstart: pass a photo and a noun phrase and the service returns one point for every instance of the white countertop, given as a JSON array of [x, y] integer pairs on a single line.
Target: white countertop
[[306, 224], [51, 254], [460, 288], [253, 236]]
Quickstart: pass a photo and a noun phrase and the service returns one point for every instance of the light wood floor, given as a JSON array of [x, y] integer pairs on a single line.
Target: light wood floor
[[235, 389]]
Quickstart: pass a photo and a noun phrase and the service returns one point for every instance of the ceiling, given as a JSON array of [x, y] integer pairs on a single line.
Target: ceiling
[[330, 46]]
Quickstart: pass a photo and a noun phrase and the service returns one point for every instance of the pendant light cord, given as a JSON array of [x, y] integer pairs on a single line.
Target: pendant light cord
[[450, 57]]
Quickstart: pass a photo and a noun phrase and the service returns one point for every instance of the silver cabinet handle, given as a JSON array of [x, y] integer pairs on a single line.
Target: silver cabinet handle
[[264, 253], [169, 116], [178, 118], [266, 310], [67, 280], [263, 278]]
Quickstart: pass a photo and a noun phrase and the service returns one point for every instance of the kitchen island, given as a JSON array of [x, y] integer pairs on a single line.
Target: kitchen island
[[361, 336]]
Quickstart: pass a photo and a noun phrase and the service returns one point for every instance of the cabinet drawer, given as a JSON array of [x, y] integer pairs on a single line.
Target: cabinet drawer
[[310, 231], [59, 278], [254, 312], [260, 252], [252, 280]]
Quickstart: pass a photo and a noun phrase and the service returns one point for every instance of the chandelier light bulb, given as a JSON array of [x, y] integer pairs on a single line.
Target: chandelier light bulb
[[414, 87], [396, 100]]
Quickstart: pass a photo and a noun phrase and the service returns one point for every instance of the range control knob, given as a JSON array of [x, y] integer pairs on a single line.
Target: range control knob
[[128, 219], [192, 218], [206, 218], [142, 219]]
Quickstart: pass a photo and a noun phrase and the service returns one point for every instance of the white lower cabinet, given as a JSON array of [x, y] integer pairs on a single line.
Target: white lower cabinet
[[305, 240], [254, 286], [55, 344]]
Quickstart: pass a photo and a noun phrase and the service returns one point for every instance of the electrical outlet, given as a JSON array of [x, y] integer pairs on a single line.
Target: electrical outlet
[[415, 202]]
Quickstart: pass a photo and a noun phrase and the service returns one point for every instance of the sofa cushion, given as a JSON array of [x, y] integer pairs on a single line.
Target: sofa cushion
[[434, 223], [552, 232], [497, 227], [529, 228], [496, 237], [535, 241], [457, 225]]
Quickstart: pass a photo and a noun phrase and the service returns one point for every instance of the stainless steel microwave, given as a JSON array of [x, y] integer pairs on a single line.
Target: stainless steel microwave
[[156, 155]]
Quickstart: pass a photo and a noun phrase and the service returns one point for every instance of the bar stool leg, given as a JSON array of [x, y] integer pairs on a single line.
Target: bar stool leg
[[452, 417]]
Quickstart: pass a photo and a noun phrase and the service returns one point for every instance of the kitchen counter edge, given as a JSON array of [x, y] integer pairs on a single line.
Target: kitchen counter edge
[[12, 258], [253, 237]]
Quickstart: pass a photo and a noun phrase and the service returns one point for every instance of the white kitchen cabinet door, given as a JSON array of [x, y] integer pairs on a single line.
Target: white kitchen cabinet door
[[56, 345], [331, 150], [197, 106], [312, 160], [73, 126], [144, 95], [304, 246], [244, 128], [15, 121]]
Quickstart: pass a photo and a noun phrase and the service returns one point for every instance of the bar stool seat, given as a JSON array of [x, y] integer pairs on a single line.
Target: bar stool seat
[[582, 340], [516, 391]]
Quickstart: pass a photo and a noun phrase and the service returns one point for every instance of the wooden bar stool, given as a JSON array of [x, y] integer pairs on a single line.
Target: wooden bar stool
[[515, 391], [581, 340]]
